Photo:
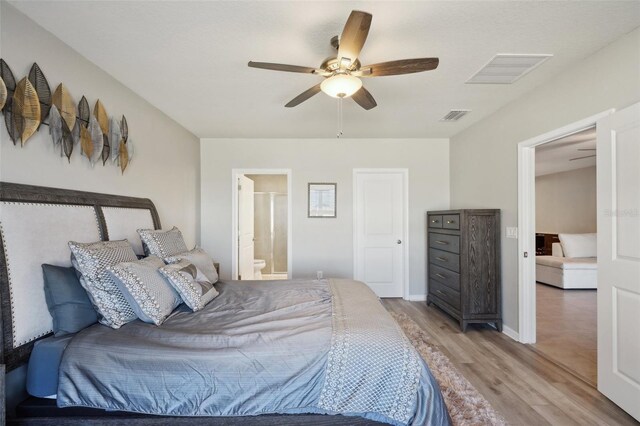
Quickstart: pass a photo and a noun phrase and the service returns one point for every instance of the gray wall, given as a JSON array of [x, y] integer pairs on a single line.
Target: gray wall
[[566, 202], [324, 244], [166, 164], [484, 157]]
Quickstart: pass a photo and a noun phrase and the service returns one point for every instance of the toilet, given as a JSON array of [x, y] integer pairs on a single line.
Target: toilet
[[258, 266]]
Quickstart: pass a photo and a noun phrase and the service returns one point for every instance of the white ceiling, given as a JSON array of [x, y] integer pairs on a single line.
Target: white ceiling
[[555, 157], [189, 59]]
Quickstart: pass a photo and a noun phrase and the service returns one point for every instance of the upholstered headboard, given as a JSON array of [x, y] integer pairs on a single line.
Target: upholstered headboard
[[36, 223]]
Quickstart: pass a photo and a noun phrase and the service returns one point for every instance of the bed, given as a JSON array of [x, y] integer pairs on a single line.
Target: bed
[[299, 351], [566, 272]]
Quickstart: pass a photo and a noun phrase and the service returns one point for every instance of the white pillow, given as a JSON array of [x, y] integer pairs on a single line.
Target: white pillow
[[200, 259], [579, 245]]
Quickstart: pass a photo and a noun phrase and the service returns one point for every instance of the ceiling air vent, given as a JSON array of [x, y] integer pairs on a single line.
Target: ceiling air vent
[[455, 114], [507, 68]]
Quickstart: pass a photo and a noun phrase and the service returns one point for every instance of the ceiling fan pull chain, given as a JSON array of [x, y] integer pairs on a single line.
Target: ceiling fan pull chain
[[339, 118]]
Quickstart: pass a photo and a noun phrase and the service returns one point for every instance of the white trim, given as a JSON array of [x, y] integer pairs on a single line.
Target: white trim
[[526, 221], [417, 298], [235, 173], [405, 225], [510, 332]]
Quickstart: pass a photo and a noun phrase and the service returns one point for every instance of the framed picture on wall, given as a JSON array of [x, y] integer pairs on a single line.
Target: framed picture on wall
[[322, 200]]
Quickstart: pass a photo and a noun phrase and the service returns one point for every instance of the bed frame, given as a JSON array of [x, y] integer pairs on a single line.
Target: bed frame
[[35, 225]]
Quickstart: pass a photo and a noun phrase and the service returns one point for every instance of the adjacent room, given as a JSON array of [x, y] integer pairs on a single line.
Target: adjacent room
[[566, 252], [420, 213]]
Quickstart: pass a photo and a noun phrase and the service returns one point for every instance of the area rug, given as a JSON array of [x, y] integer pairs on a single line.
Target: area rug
[[467, 407]]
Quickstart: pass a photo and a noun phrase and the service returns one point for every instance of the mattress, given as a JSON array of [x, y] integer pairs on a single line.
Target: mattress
[[568, 263], [44, 364]]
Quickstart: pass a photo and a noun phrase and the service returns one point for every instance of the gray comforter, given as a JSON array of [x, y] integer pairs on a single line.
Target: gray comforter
[[260, 347]]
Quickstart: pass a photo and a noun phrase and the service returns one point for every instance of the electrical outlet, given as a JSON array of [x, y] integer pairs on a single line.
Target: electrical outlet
[[319, 274], [512, 232]]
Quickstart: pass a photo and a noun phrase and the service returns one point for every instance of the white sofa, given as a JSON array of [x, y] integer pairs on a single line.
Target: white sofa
[[561, 270]]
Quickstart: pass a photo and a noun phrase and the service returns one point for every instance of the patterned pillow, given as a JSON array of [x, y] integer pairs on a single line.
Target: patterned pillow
[[92, 261], [200, 259], [149, 294], [192, 285], [161, 243]]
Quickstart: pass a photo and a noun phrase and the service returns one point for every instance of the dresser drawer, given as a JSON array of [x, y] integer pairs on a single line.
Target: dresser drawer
[[450, 243], [451, 221], [444, 276], [445, 259], [435, 221], [445, 293]]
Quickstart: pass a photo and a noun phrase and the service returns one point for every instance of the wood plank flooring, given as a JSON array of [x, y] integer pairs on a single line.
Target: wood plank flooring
[[567, 329], [527, 388]]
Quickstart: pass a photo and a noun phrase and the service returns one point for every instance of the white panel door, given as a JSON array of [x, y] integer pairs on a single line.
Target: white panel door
[[245, 228], [618, 170], [379, 231]]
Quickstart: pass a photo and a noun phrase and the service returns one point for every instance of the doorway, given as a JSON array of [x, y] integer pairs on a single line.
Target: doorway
[[261, 225], [380, 226], [566, 252]]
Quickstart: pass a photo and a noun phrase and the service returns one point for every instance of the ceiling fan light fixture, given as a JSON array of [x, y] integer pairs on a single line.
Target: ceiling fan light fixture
[[341, 85]]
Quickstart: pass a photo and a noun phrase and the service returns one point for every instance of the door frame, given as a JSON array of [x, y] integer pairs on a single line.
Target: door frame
[[405, 225], [526, 221], [234, 216]]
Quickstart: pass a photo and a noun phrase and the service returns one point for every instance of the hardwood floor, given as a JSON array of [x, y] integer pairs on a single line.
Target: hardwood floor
[[567, 329], [527, 388]]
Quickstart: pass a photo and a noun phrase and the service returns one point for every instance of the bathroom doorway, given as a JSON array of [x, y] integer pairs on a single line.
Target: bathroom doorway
[[262, 224]]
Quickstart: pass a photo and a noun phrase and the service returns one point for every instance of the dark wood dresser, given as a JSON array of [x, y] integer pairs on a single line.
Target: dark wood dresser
[[463, 264]]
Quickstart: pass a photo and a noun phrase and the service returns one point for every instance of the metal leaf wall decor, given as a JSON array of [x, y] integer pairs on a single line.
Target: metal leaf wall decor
[[67, 141], [26, 110], [124, 129], [10, 83], [66, 106], [115, 137], [40, 83], [86, 144], [28, 103], [3, 94], [97, 140], [124, 156], [55, 126]]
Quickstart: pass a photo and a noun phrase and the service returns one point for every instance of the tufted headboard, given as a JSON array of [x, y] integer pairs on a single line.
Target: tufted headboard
[[36, 223]]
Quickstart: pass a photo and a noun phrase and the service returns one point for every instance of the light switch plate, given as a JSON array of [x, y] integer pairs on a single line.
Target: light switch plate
[[512, 232]]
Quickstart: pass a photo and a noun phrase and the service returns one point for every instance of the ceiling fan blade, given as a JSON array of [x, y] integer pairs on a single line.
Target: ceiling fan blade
[[364, 98], [304, 96], [580, 158], [403, 66], [586, 149], [281, 67], [353, 36]]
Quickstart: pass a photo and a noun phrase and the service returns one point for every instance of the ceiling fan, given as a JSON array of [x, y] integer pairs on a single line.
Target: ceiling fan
[[586, 156], [343, 72]]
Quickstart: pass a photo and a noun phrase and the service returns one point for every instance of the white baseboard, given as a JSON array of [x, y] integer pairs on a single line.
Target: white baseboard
[[511, 333], [417, 297]]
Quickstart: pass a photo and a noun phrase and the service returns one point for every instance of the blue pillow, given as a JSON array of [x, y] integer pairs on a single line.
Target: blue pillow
[[67, 301]]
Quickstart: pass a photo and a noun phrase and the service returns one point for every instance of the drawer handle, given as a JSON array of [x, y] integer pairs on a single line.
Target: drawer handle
[[442, 259], [442, 242], [439, 275], [451, 221], [434, 221]]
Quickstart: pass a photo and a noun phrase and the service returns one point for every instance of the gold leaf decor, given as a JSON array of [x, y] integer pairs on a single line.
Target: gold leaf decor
[[40, 83], [85, 142], [3, 94], [26, 110], [124, 156], [101, 115], [66, 106]]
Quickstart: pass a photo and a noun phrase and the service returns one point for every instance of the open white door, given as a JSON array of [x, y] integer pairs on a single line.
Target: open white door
[[245, 228], [379, 222], [618, 165]]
